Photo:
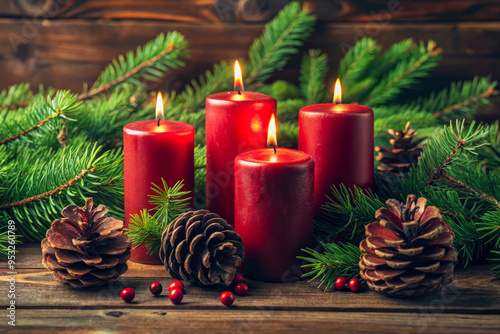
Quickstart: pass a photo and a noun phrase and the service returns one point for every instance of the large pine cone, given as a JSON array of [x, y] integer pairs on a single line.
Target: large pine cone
[[86, 247], [199, 246], [403, 154], [409, 250]]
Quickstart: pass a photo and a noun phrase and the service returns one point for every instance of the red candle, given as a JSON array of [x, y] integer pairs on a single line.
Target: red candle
[[340, 139], [273, 210], [155, 149], [236, 122]]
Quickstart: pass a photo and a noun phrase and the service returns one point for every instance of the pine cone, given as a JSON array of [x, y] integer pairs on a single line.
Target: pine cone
[[409, 250], [404, 153], [199, 246], [86, 247]]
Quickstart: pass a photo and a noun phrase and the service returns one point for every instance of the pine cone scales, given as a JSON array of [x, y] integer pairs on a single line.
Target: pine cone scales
[[404, 152], [409, 250], [86, 247], [199, 246]]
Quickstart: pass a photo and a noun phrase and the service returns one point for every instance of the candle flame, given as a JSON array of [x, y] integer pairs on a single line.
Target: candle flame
[[271, 133], [238, 78], [159, 107], [337, 96]]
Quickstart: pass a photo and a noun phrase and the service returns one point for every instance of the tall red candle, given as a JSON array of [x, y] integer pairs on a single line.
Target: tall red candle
[[273, 210], [236, 122], [340, 139], [153, 152]]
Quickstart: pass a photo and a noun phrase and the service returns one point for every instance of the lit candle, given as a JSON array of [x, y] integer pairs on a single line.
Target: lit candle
[[236, 122], [155, 149], [274, 191], [340, 139]]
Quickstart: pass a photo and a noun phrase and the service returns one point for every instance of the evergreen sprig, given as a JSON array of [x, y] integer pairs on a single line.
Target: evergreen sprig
[[40, 183], [150, 62], [337, 259], [346, 212], [313, 72], [281, 39], [146, 228]]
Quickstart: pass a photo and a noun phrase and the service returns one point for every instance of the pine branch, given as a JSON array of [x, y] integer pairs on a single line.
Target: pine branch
[[496, 259], [356, 62], [281, 38], [443, 152], [338, 259], [44, 171], [313, 72], [149, 62], [346, 212], [38, 115], [490, 226], [406, 73], [146, 229], [49, 193], [288, 110]]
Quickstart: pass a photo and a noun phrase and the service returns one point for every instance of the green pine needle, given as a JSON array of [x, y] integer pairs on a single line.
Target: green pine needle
[[312, 76], [169, 203], [337, 259], [281, 39]]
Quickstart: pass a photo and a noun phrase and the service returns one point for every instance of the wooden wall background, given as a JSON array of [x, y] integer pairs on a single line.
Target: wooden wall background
[[64, 43]]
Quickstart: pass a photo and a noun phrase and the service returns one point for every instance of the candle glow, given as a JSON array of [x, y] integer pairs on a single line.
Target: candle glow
[[238, 78], [159, 108], [337, 95], [272, 141]]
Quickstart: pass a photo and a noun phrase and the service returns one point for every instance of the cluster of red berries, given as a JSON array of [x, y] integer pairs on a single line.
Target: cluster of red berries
[[176, 291], [342, 285]]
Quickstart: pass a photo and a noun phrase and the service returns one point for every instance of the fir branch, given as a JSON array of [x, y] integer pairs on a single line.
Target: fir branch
[[424, 58], [338, 259], [169, 203], [490, 227], [200, 165], [313, 72], [149, 62], [34, 127], [40, 113], [496, 259], [346, 212], [462, 96], [16, 96], [49, 193], [288, 110], [281, 38], [41, 171], [356, 61]]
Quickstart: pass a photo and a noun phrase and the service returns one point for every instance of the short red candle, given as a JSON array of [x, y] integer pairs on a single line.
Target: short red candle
[[340, 139], [273, 210], [236, 122], [153, 152]]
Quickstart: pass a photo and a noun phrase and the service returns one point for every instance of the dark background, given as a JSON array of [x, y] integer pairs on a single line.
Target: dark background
[[65, 43]]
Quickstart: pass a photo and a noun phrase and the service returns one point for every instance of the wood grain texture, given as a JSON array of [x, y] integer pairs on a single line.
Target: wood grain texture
[[470, 304], [65, 54], [256, 10]]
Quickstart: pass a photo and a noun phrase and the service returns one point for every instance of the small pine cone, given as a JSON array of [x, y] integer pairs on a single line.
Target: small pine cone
[[199, 246], [404, 153], [86, 247], [409, 250]]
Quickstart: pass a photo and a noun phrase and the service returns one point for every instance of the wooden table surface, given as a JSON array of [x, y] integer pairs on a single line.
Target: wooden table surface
[[470, 305]]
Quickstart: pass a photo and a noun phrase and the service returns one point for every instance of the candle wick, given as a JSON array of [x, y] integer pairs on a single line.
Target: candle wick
[[274, 147], [239, 92], [337, 102], [158, 124]]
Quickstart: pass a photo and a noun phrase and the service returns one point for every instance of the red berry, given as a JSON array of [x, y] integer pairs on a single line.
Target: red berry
[[127, 294], [176, 285], [155, 288], [354, 285], [176, 295], [340, 283], [227, 298], [241, 289], [238, 278]]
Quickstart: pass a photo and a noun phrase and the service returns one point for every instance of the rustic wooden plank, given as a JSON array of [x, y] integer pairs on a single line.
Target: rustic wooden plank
[[471, 292], [254, 10], [236, 320], [65, 54]]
